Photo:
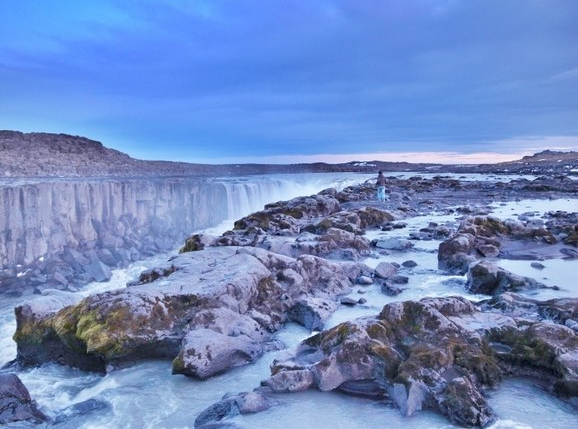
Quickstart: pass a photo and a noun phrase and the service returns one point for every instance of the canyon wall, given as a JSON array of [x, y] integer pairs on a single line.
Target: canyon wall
[[64, 233]]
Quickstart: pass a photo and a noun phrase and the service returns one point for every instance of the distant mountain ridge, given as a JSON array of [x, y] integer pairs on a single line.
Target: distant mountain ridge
[[63, 155]]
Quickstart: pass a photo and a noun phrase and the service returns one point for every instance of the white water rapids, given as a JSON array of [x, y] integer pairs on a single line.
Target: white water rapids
[[148, 396]]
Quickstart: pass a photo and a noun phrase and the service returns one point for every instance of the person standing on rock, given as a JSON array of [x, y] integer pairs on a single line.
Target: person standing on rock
[[380, 184]]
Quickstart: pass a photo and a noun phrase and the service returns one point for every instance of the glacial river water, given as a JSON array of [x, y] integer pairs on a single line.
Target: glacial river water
[[148, 396]]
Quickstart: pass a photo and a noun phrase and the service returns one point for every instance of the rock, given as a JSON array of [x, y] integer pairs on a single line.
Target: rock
[[205, 353], [312, 313], [392, 244], [285, 217], [294, 380], [229, 323], [107, 257], [537, 265], [488, 250], [151, 318], [453, 253], [16, 405], [346, 300], [572, 324], [465, 404], [485, 235], [364, 280], [232, 405], [385, 270], [390, 290], [409, 264], [570, 253], [198, 242], [98, 271], [218, 425], [81, 409], [398, 279], [487, 278], [414, 349]]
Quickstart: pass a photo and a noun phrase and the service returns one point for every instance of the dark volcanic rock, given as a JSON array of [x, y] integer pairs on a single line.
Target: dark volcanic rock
[[15, 402], [81, 409], [232, 405]]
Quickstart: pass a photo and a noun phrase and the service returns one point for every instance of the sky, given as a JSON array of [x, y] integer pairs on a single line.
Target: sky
[[285, 81]]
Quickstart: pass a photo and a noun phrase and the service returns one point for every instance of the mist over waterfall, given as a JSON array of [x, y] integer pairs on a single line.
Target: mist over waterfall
[[251, 193]]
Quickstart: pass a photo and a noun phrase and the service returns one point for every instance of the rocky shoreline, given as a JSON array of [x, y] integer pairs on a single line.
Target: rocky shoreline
[[218, 304]]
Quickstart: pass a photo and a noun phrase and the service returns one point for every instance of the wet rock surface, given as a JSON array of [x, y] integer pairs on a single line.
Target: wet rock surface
[[16, 405]]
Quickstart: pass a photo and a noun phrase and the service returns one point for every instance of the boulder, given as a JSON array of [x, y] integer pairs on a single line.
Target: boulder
[[488, 278], [230, 323], [390, 289], [205, 353], [81, 410], [287, 217], [392, 244], [98, 271], [385, 270], [198, 242], [312, 313], [232, 405], [295, 380], [16, 405], [454, 253]]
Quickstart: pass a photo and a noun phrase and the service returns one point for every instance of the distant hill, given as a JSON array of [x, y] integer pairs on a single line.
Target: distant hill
[[545, 162], [63, 155]]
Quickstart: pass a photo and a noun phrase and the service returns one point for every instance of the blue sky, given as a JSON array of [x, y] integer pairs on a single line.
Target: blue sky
[[295, 80]]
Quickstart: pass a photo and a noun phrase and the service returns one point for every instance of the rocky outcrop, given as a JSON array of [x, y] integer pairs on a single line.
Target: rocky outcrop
[[484, 236], [314, 225], [412, 352], [440, 354], [212, 310], [16, 405]]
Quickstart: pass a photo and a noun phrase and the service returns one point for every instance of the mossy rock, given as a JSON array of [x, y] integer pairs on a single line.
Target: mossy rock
[[488, 226], [372, 217], [337, 335]]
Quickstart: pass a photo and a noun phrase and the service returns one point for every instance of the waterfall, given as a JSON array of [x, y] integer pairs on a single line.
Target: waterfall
[[249, 194]]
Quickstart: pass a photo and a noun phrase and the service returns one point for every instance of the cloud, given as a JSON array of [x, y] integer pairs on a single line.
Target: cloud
[[211, 78]]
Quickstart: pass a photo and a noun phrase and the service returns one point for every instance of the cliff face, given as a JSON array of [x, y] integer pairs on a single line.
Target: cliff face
[[64, 233]]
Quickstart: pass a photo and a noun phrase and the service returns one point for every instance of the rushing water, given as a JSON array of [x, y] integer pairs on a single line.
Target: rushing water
[[148, 396]]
